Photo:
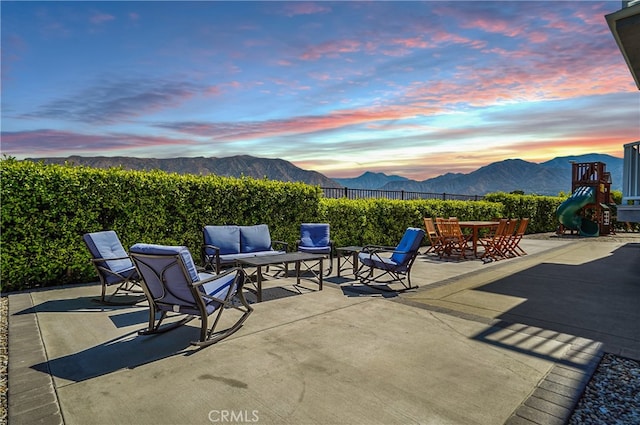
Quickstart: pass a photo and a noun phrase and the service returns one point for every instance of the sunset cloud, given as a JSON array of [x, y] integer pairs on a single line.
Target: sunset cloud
[[410, 88]]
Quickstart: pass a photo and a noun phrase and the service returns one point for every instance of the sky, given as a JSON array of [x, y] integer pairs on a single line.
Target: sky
[[415, 89]]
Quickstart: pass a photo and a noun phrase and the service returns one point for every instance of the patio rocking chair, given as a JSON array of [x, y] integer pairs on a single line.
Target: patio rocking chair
[[114, 267], [315, 238], [172, 284], [385, 265]]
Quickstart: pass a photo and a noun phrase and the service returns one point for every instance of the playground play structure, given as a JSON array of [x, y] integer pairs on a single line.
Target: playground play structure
[[588, 209]]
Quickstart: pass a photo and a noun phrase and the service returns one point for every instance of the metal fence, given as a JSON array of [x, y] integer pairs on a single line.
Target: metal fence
[[345, 192]]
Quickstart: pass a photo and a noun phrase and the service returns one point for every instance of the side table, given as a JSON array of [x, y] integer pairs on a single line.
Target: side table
[[349, 256]]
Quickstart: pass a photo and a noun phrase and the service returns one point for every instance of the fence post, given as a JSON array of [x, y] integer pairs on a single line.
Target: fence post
[[444, 196]]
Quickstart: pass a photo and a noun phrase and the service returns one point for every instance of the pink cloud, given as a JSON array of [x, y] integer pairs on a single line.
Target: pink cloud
[[57, 142], [304, 8], [412, 43], [100, 18], [232, 131], [331, 49]]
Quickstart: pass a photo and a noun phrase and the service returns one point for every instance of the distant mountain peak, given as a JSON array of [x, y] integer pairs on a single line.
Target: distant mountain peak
[[369, 180]]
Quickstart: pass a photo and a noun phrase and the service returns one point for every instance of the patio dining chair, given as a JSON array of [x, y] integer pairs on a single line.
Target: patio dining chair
[[386, 265], [315, 238], [174, 287], [513, 244], [497, 245], [114, 268], [435, 240], [453, 240]]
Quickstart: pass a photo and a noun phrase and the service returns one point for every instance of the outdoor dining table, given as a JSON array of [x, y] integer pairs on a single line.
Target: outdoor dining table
[[475, 226]]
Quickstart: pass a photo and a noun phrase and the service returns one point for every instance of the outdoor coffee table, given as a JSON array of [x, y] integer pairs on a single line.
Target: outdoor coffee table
[[292, 257], [344, 252]]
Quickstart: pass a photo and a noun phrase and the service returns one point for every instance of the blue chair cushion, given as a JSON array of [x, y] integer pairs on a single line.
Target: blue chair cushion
[[314, 235], [218, 288], [105, 245], [227, 238], [255, 238], [409, 243]]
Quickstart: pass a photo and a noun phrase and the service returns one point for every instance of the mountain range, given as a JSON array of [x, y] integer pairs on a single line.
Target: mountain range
[[546, 178], [232, 166]]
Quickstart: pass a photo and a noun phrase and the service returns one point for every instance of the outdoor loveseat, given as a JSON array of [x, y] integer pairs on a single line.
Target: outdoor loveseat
[[225, 245]]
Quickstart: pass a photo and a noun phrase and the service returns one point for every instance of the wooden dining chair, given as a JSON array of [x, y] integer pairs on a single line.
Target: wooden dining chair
[[514, 242], [507, 238], [453, 240], [436, 244], [493, 242]]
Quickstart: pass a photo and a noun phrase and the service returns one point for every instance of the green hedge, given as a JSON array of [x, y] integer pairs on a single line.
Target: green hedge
[[541, 209], [47, 208], [383, 221]]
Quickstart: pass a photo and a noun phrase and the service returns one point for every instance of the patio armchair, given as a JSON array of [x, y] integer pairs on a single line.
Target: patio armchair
[[386, 265], [173, 286], [114, 267], [315, 238]]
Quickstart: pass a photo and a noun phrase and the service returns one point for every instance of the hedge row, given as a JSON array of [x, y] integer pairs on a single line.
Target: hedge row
[[383, 222], [47, 208]]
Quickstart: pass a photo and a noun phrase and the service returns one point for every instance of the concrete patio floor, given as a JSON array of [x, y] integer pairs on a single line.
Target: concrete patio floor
[[513, 341]]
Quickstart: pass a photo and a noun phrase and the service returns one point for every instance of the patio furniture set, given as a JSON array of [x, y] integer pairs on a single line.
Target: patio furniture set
[[173, 285], [501, 239]]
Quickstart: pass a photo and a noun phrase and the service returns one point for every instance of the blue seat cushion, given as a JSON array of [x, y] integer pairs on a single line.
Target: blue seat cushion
[[227, 238], [255, 238], [130, 273], [218, 288], [379, 262], [231, 258], [315, 250]]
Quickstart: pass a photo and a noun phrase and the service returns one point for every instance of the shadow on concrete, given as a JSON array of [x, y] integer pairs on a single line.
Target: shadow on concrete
[[78, 304], [597, 300], [124, 352], [361, 290], [269, 294]]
